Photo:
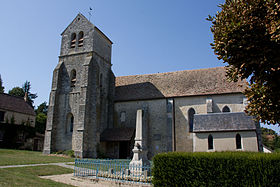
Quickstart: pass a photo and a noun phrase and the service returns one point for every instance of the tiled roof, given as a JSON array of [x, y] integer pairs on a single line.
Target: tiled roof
[[176, 84], [16, 104], [228, 121], [117, 134]]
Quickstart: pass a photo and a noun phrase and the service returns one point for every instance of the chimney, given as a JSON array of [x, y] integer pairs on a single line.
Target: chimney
[[25, 97]]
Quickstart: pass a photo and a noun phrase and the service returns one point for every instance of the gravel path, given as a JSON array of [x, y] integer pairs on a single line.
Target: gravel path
[[62, 164], [83, 182]]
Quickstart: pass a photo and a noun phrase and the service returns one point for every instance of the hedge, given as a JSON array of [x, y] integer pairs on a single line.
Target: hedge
[[216, 169]]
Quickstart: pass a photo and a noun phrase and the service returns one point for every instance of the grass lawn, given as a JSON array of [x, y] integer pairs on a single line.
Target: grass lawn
[[18, 157], [28, 176]]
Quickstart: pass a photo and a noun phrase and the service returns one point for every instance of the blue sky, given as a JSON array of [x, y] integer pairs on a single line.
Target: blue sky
[[149, 36]]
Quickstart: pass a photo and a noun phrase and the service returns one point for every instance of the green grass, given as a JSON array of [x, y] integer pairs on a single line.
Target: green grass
[[28, 176], [18, 157]]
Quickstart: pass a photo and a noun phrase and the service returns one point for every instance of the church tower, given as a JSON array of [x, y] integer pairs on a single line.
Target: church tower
[[81, 99]]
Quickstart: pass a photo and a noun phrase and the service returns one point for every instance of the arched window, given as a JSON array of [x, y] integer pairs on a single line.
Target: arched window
[[70, 123], [73, 77], [238, 141], [81, 39], [191, 113], [122, 116], [101, 80], [210, 142], [73, 40], [226, 109]]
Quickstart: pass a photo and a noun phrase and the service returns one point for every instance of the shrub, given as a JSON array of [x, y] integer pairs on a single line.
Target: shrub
[[216, 169], [69, 153]]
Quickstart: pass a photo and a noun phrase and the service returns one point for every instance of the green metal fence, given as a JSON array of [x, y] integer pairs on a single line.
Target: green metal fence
[[115, 170]]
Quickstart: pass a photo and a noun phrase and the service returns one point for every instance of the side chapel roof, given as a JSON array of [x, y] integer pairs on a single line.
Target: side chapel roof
[[227, 121], [15, 104], [176, 84]]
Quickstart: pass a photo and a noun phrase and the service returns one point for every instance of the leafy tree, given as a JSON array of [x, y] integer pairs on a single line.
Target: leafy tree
[[247, 38], [270, 138], [42, 108], [1, 85], [41, 117], [30, 96], [16, 91], [40, 124]]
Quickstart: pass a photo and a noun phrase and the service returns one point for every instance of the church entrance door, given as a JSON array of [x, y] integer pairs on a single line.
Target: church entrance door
[[124, 150]]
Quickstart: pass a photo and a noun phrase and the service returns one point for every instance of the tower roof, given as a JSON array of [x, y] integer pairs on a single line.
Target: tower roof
[[81, 16], [78, 17]]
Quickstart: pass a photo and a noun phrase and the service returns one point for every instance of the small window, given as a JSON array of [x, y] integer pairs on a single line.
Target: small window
[[2, 114], [72, 123], [81, 39], [238, 141], [191, 113], [73, 78], [122, 116], [73, 41], [69, 123], [226, 109], [210, 142], [101, 80]]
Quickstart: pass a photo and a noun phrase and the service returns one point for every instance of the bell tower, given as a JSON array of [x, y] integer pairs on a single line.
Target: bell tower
[[81, 99]]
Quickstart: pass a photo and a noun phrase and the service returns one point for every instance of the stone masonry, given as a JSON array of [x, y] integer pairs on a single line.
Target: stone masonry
[[84, 103], [93, 113]]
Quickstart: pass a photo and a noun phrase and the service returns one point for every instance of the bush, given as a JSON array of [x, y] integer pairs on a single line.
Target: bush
[[69, 153], [216, 169]]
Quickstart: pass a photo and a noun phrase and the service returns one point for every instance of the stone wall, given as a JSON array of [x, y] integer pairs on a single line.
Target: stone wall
[[225, 141], [159, 136], [84, 99], [184, 138], [19, 118]]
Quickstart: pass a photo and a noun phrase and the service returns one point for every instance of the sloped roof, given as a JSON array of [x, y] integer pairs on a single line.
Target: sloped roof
[[228, 121], [176, 84], [81, 16], [16, 104], [117, 134]]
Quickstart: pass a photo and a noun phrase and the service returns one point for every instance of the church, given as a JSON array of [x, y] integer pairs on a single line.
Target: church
[[93, 113]]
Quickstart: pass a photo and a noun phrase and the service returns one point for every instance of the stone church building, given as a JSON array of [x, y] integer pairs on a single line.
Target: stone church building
[[94, 113]]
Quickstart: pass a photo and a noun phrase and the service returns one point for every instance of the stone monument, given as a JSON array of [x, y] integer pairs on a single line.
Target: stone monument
[[140, 160]]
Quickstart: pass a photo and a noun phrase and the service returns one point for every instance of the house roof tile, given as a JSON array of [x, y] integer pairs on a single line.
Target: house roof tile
[[176, 84], [16, 104]]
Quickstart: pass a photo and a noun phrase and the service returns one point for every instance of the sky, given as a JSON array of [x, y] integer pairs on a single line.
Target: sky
[[149, 36]]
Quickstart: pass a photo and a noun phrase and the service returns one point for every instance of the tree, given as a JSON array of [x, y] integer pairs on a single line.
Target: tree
[[1, 85], [41, 117], [270, 138], [247, 38], [40, 123], [42, 108], [30, 96], [16, 91]]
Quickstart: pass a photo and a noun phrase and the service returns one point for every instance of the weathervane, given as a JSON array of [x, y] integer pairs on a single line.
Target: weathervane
[[89, 13]]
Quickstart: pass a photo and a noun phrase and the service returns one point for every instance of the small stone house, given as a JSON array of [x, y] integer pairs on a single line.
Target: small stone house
[[17, 123], [15, 110], [94, 113]]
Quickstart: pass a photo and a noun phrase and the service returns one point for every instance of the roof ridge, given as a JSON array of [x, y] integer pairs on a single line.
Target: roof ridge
[[219, 67], [18, 97]]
